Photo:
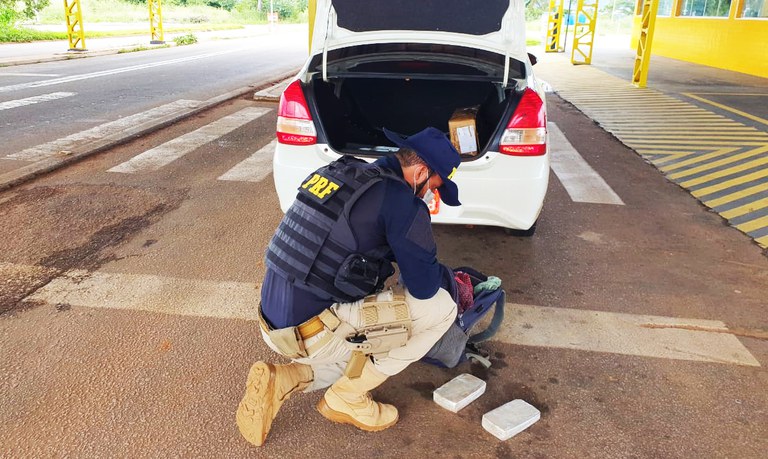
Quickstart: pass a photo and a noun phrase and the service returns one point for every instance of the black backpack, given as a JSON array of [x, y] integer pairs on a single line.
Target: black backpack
[[459, 343]]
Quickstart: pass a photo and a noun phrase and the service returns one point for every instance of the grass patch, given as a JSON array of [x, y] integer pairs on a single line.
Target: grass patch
[[188, 39], [141, 48], [22, 35], [123, 11]]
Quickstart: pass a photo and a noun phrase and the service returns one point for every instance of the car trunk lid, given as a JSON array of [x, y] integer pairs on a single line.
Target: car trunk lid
[[487, 25]]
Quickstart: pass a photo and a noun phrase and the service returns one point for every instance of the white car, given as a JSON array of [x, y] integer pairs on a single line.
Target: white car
[[405, 66]]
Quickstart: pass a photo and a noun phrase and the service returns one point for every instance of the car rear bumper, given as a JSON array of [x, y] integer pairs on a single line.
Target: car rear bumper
[[495, 189]]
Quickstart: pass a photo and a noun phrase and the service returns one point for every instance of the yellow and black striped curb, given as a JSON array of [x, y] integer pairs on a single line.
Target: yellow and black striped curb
[[721, 162]]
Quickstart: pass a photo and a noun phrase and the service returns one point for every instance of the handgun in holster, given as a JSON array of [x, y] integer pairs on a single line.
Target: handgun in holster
[[386, 325]]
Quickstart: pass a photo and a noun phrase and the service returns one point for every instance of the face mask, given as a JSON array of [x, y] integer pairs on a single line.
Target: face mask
[[428, 195], [417, 189]]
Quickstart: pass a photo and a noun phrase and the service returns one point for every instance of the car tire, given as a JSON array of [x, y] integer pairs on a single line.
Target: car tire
[[521, 233]]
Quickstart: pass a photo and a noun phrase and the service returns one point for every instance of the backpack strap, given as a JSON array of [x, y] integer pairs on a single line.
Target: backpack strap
[[493, 327]]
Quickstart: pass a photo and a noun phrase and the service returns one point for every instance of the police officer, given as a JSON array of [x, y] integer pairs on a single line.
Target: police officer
[[336, 244]]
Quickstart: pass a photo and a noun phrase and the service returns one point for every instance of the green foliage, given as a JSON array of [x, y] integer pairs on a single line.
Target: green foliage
[[187, 39], [287, 10], [141, 48], [535, 8], [705, 8], [8, 17], [621, 8], [13, 10], [222, 4], [197, 19], [21, 35]]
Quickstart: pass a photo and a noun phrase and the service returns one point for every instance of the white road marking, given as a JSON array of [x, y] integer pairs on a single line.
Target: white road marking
[[596, 331], [34, 100], [68, 143], [254, 168], [142, 292], [86, 76], [172, 150], [30, 74], [581, 182], [628, 334]]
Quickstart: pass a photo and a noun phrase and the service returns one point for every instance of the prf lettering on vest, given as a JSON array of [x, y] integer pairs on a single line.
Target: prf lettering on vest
[[320, 186]]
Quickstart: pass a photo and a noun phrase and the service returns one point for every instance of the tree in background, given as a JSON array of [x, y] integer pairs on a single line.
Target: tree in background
[[620, 8], [535, 8], [221, 4], [13, 10], [285, 9]]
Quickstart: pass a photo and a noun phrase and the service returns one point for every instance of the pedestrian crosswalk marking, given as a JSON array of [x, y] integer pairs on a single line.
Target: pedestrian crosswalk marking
[[255, 167], [162, 155], [719, 160], [143, 292], [580, 181], [621, 333], [98, 133], [594, 331], [34, 100]]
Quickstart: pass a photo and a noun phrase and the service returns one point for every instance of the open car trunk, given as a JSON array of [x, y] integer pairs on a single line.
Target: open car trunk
[[407, 94]]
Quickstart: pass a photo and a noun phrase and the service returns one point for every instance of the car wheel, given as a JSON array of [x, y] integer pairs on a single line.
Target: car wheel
[[521, 233]]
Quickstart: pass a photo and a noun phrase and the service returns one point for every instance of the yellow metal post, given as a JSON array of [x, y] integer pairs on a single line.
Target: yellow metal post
[[584, 32], [643, 57], [554, 25], [75, 33], [311, 9], [156, 21]]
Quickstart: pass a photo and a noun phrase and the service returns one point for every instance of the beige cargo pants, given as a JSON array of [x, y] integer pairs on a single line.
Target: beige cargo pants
[[430, 320]]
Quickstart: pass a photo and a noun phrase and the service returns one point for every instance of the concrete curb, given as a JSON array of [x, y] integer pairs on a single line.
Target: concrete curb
[[12, 61], [273, 93], [52, 58], [39, 168]]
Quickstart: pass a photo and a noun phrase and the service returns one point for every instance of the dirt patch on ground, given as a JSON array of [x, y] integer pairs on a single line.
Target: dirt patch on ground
[[52, 229]]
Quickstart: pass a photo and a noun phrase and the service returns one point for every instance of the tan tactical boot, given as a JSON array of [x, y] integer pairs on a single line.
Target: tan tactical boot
[[347, 401], [267, 388]]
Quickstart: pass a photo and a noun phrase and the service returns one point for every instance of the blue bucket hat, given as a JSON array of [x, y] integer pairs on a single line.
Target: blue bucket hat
[[437, 151]]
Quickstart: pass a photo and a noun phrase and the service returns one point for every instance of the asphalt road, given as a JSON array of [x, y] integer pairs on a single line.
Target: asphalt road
[[85, 93], [129, 299]]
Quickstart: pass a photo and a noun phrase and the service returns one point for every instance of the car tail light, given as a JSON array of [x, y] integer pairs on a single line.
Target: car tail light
[[526, 132], [294, 123]]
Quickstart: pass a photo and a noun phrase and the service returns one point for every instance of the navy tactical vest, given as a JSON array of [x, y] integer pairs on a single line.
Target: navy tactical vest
[[314, 246]]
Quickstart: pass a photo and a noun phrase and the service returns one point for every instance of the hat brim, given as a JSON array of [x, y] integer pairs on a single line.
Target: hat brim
[[449, 193], [398, 139]]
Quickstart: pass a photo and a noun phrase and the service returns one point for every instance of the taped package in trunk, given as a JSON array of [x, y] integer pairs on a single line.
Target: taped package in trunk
[[463, 130]]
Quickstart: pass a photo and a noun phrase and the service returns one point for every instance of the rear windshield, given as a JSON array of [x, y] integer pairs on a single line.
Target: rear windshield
[[459, 16], [401, 59]]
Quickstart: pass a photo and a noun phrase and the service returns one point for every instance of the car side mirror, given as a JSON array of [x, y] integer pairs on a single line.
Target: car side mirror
[[532, 58]]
